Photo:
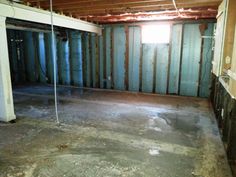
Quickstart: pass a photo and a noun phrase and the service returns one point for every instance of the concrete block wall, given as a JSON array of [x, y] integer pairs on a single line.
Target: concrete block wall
[[225, 110]]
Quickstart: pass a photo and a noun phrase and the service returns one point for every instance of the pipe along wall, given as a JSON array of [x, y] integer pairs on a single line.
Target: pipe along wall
[[118, 59]]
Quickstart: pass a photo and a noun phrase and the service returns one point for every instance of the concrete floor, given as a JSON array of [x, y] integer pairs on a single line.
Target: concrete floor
[[104, 133]]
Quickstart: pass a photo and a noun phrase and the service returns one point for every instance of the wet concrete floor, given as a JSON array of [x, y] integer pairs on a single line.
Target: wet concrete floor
[[105, 133]]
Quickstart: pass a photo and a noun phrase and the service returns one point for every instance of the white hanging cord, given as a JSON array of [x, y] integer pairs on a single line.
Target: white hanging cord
[[54, 62], [177, 10]]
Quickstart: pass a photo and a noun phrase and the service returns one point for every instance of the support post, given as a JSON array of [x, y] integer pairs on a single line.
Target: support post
[[6, 98]]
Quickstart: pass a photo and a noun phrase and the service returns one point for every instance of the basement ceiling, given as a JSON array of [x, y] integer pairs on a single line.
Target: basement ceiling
[[113, 11]]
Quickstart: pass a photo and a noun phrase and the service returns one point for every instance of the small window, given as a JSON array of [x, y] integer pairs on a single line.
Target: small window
[[155, 34]]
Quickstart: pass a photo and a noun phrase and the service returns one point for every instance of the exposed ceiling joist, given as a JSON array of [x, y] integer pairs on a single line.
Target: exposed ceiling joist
[[95, 9]]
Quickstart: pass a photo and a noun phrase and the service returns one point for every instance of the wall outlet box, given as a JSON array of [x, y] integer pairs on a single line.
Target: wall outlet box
[[227, 60]]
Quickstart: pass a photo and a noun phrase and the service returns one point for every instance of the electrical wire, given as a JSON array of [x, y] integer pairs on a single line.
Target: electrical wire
[[54, 63], [177, 10]]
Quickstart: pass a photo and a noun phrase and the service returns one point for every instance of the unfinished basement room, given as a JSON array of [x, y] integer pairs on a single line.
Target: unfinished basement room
[[117, 88]]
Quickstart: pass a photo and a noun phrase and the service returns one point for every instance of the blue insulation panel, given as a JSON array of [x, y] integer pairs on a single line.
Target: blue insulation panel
[[190, 60], [176, 40], [119, 58], [93, 59], [64, 69], [162, 58], [148, 60], [101, 61], [205, 82], [76, 58], [29, 48], [49, 57], [134, 57], [42, 58], [108, 56], [104, 57]]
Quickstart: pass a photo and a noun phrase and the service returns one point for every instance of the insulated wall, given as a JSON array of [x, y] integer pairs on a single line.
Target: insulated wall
[[31, 57], [180, 67], [118, 59]]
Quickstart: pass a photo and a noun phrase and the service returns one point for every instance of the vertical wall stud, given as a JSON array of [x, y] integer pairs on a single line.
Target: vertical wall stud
[[105, 58], [154, 69], [84, 57], [88, 64], [112, 58], [108, 48], [169, 59], [126, 83], [93, 59], [101, 61], [181, 56]]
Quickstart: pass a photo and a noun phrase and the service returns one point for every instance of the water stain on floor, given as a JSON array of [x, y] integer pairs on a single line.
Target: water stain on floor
[[105, 134]]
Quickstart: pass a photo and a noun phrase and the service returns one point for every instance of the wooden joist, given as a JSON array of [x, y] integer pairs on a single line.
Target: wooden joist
[[84, 8]]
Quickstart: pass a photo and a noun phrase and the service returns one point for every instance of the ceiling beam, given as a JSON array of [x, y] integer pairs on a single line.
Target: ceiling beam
[[143, 6], [130, 3], [117, 11], [22, 12]]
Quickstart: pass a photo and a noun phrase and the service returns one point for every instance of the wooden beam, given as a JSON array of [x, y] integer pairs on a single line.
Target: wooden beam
[[22, 12], [118, 11]]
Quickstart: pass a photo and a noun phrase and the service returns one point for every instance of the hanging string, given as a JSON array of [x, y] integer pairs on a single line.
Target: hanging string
[[54, 63]]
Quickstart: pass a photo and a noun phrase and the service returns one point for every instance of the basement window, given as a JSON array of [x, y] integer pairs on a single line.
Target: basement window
[[156, 34]]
